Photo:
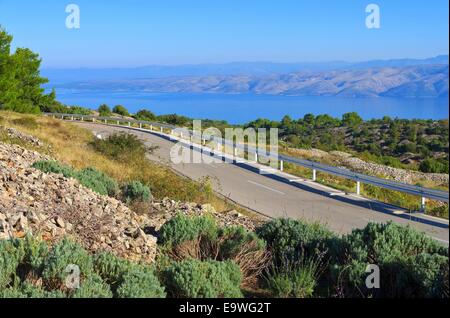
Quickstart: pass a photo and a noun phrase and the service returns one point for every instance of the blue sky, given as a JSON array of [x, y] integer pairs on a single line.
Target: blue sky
[[141, 32]]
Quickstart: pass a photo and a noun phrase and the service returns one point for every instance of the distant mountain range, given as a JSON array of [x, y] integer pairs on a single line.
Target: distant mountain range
[[395, 78]]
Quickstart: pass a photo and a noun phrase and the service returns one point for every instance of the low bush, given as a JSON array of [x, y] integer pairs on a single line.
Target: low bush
[[298, 281], [97, 181], [127, 279], [120, 110], [181, 228], [291, 239], [410, 262], [203, 279], [136, 191], [29, 269], [199, 238], [121, 146], [91, 178], [49, 166]]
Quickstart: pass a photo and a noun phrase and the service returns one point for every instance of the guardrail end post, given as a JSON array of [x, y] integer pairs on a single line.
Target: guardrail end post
[[314, 176], [358, 187], [423, 203]]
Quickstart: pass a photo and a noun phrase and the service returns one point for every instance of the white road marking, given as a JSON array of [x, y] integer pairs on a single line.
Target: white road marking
[[265, 187]]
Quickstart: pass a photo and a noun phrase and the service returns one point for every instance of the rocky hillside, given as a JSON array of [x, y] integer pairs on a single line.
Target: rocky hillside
[[52, 206]]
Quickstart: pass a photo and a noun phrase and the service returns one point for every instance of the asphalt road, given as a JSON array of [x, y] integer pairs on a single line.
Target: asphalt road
[[276, 195]]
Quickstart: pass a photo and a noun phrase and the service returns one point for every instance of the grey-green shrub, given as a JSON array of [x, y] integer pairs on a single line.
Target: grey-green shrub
[[398, 251], [291, 239], [192, 278], [97, 181], [91, 178], [136, 191], [182, 228], [49, 166], [63, 254], [101, 276], [298, 280], [127, 279], [92, 287], [140, 282], [233, 238]]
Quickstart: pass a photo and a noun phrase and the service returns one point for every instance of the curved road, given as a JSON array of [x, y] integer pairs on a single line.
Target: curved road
[[277, 195]]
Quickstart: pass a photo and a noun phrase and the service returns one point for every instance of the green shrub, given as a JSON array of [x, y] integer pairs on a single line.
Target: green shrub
[[91, 178], [127, 279], [93, 287], [289, 239], [432, 165], [208, 279], [29, 270], [49, 166], [140, 282], [233, 239], [121, 110], [104, 110], [297, 279], [63, 254], [182, 228], [28, 290], [121, 146], [10, 258], [396, 250], [97, 181], [136, 191]]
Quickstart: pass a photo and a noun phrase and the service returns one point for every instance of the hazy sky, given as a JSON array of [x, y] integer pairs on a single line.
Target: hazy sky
[[141, 32]]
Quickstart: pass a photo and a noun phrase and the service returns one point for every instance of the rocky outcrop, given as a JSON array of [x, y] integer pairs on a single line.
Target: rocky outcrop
[[52, 206], [401, 175], [14, 133]]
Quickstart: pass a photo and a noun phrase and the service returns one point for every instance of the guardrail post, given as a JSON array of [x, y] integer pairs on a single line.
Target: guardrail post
[[129, 124], [71, 118], [314, 177], [140, 125], [281, 165], [423, 203], [82, 118], [358, 187]]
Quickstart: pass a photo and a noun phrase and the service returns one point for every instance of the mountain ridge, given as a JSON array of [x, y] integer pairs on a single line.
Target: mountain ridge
[[412, 81]]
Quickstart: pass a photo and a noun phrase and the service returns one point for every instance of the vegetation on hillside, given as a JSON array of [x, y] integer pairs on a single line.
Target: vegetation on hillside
[[291, 258]]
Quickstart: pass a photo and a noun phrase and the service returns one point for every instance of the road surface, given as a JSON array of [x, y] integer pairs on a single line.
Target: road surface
[[277, 196]]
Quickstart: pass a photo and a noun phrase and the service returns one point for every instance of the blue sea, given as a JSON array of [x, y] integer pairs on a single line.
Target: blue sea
[[237, 109]]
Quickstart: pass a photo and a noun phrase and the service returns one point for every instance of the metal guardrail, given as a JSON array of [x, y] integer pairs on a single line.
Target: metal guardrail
[[315, 166]]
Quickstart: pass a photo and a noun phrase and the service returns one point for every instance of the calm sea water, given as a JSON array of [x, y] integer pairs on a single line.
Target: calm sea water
[[243, 108]]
